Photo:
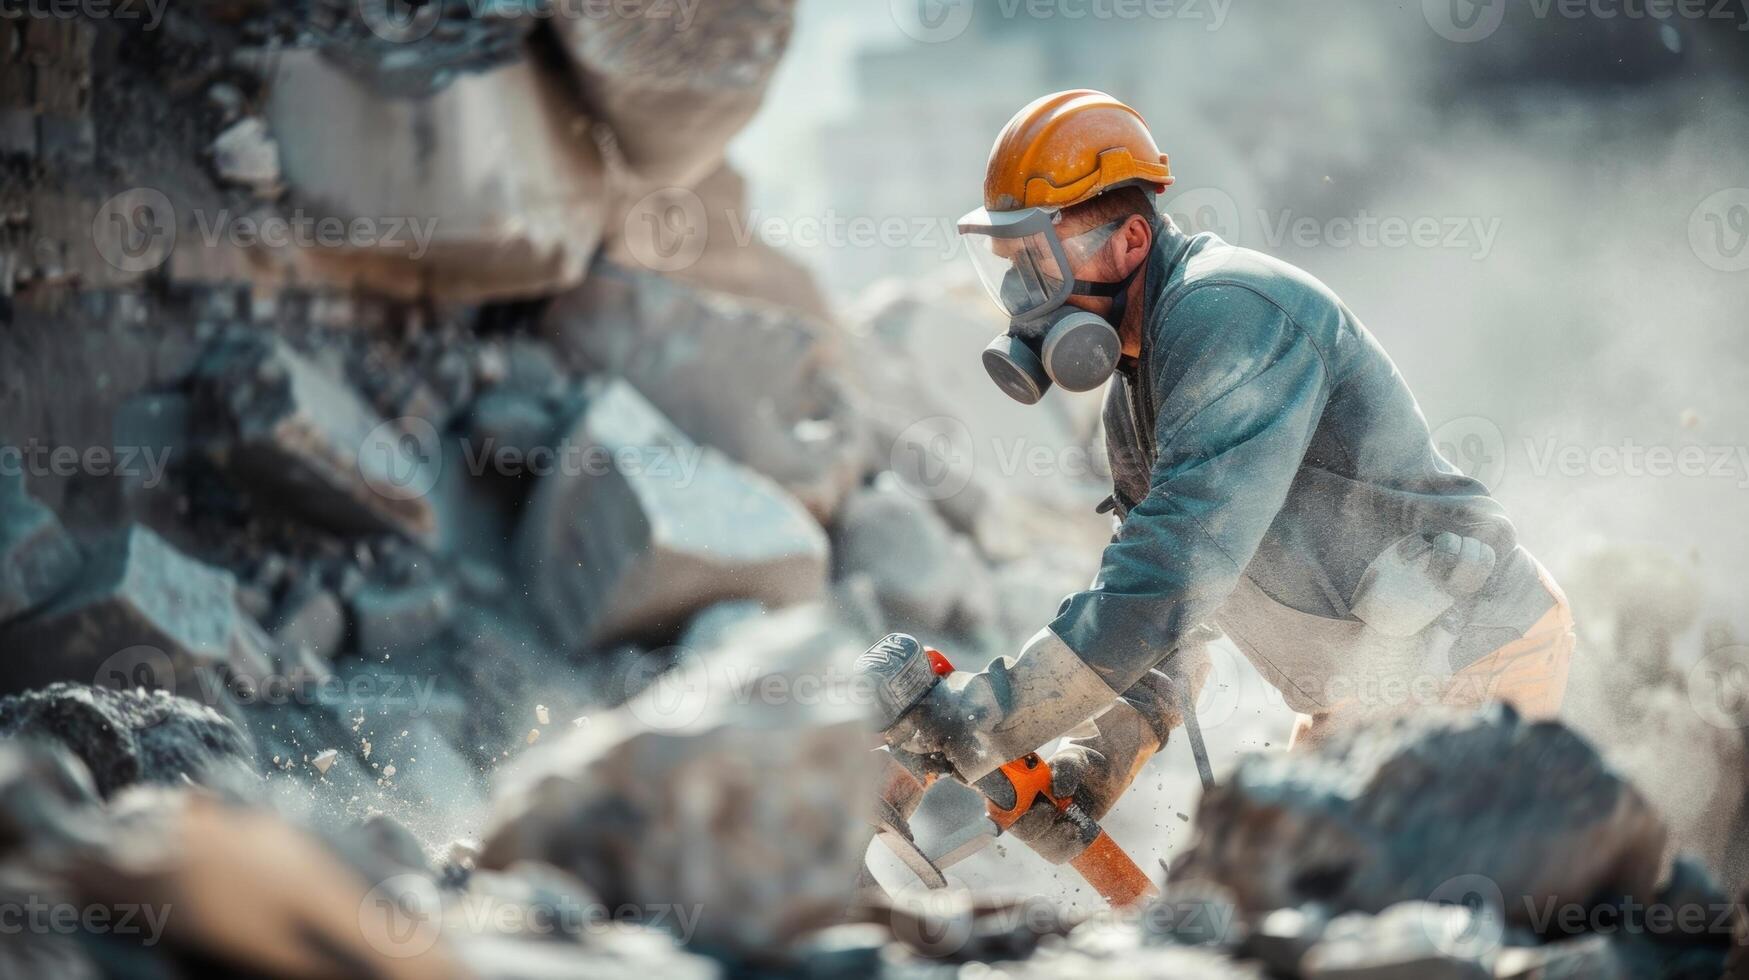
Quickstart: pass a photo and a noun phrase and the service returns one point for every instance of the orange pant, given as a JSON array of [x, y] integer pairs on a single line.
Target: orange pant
[[1530, 673]]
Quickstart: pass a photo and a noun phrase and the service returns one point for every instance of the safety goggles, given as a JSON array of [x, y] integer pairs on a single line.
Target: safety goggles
[[1024, 264]]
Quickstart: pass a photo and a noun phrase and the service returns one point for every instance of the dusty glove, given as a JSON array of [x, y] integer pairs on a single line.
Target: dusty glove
[[1096, 770], [978, 721]]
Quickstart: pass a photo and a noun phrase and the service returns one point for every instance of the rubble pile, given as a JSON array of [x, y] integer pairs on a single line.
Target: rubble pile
[[403, 573]]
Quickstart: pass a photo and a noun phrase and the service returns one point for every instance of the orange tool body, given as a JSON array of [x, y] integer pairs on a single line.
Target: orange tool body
[[1017, 787]]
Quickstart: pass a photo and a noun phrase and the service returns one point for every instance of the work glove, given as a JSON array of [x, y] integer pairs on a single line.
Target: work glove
[[1096, 770], [1418, 578], [978, 721]]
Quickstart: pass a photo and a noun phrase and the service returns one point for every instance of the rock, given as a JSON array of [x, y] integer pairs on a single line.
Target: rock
[[247, 888], [740, 799], [1102, 948], [37, 557], [921, 577], [760, 384], [309, 443], [385, 837], [312, 624], [1412, 939], [1280, 939], [1518, 814], [140, 614], [392, 620], [42, 785], [730, 257], [496, 188], [134, 736], [245, 154], [674, 92], [646, 527], [324, 760]]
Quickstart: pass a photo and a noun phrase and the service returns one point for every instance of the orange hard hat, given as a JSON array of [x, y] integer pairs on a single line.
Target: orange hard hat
[[1068, 147]]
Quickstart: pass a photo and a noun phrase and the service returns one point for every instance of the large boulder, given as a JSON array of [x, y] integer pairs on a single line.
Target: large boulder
[[675, 83], [489, 188], [133, 736], [757, 382], [305, 441], [732, 789], [140, 614], [637, 527], [1435, 807]]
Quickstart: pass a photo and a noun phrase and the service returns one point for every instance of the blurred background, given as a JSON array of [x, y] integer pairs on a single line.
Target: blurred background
[[433, 422]]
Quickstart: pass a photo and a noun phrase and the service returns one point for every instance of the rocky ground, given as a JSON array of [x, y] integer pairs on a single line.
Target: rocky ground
[[472, 591]]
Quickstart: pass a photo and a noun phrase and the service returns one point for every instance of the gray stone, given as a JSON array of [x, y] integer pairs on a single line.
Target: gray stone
[[1417, 940], [673, 98], [140, 614], [390, 620], [126, 737], [310, 443], [312, 624], [245, 154], [42, 784], [734, 790], [37, 557], [925, 577], [763, 385], [648, 528], [1441, 805]]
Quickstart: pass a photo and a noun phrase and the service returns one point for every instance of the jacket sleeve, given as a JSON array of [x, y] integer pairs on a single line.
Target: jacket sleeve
[[1239, 389]]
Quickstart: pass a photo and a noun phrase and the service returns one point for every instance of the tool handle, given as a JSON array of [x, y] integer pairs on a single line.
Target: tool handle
[[1113, 874]]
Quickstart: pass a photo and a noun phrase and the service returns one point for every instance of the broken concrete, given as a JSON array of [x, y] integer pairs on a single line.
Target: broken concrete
[[389, 620], [647, 527], [786, 414], [487, 189], [246, 154], [1395, 813], [140, 614], [127, 737], [37, 557], [306, 442]]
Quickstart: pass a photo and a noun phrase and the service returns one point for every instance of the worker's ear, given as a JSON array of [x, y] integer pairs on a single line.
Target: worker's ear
[[1132, 243]]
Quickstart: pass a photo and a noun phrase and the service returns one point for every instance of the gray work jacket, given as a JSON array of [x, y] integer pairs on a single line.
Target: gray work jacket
[[1265, 453]]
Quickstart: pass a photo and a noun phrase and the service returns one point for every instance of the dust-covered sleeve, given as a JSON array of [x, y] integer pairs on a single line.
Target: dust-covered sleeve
[[1239, 389]]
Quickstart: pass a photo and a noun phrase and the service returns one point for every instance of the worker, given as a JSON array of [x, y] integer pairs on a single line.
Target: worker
[[1273, 477]]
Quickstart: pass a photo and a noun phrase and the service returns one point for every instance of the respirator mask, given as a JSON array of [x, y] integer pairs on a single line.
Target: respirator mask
[[1024, 265]]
